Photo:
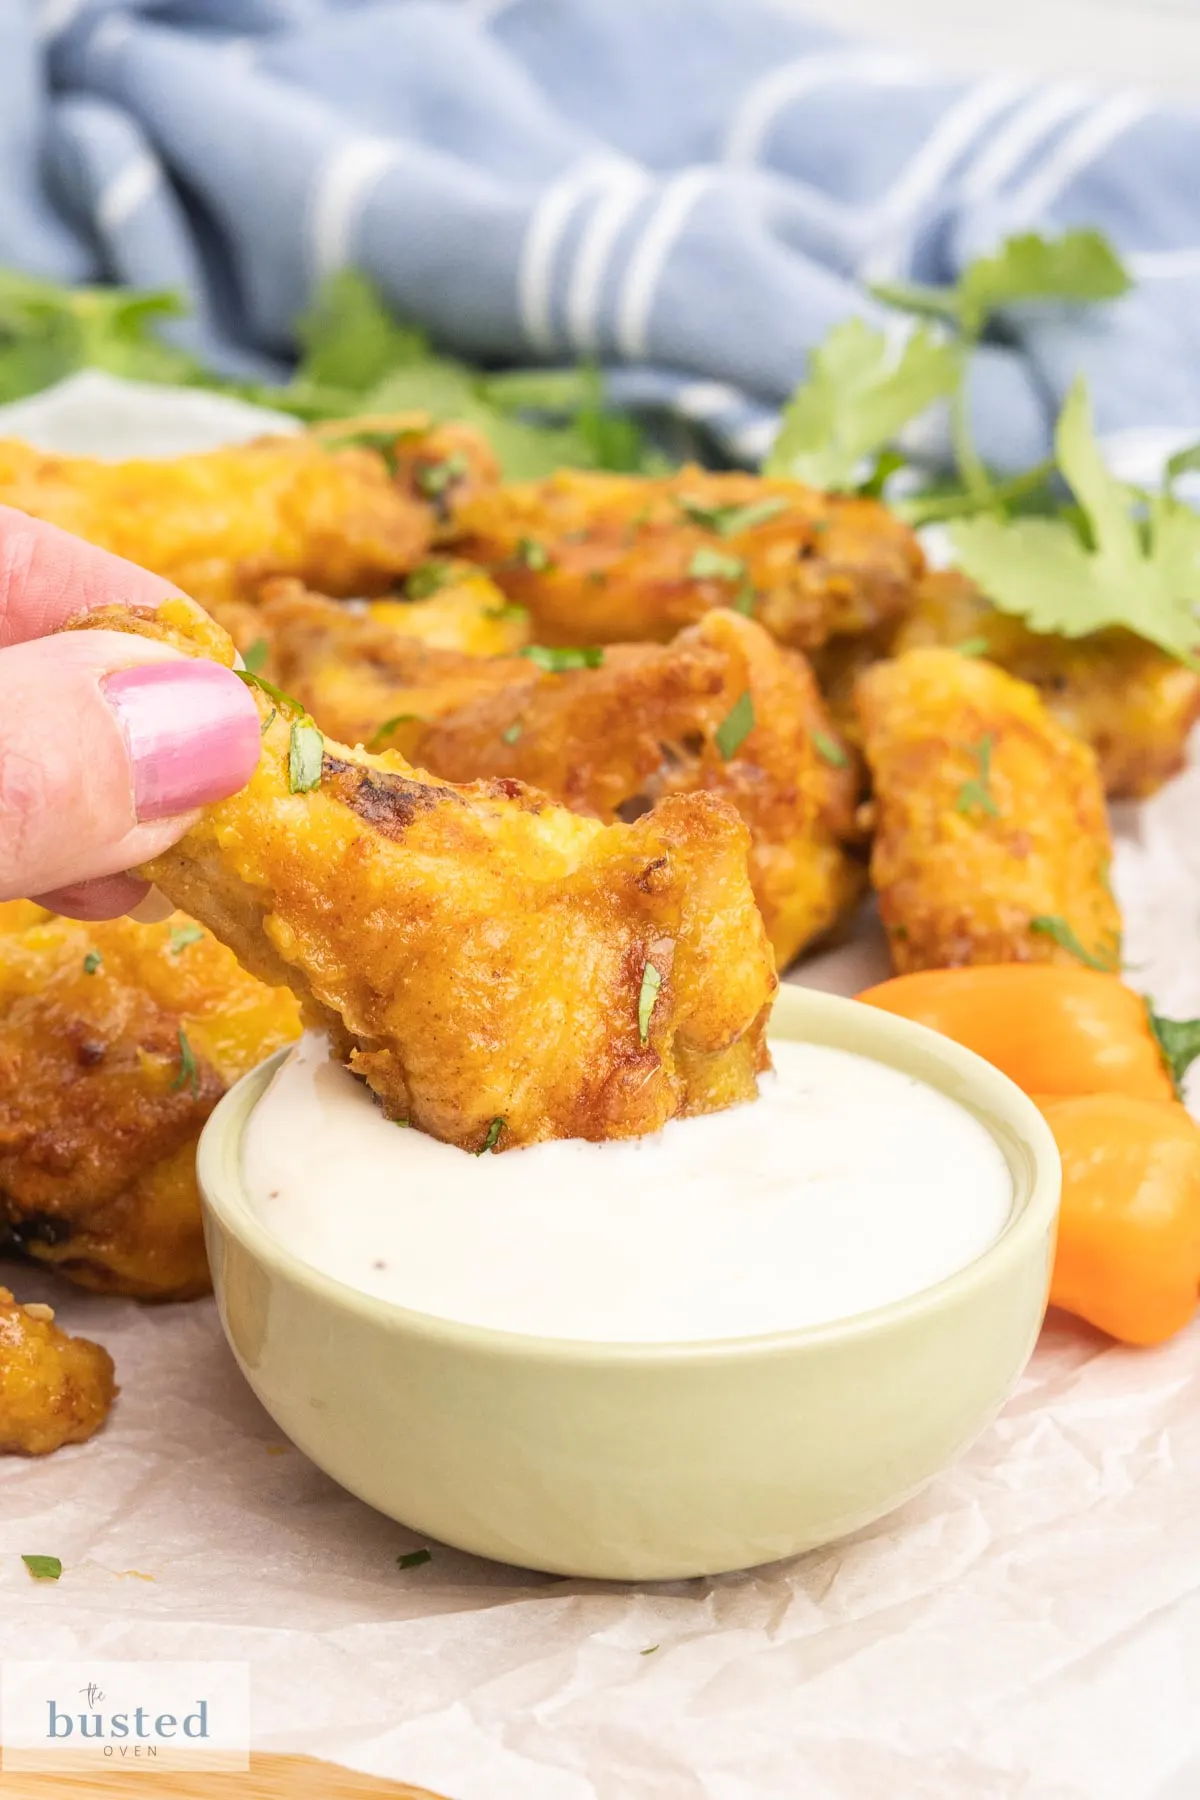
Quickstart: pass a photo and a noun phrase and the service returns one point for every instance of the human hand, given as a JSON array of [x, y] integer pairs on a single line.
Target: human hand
[[108, 743]]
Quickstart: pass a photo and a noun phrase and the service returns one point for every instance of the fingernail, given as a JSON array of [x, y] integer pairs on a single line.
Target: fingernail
[[192, 732]]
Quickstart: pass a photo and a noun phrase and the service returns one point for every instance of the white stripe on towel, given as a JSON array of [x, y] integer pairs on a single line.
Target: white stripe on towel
[[1090, 138], [543, 238], [648, 260], [121, 198], [612, 213], [1019, 137], [339, 195], [761, 105]]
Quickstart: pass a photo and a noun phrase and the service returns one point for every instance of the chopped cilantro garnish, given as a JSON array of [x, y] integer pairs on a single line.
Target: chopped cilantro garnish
[[379, 738], [1178, 1042], [535, 556], [256, 655], [435, 478], [649, 1650], [745, 597], [427, 578], [512, 732], [976, 646], [510, 611], [829, 750], [306, 751], [403, 1123], [382, 442], [92, 962], [189, 1068], [571, 656], [269, 689], [183, 935], [493, 1134], [412, 1559], [43, 1568], [736, 726], [1052, 926], [268, 721], [714, 565], [977, 791], [651, 982], [727, 520]]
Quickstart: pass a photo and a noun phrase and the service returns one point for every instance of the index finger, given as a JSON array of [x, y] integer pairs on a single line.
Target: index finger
[[47, 576]]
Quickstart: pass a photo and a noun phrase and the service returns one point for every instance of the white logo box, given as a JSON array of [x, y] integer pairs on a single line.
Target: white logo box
[[98, 1714]]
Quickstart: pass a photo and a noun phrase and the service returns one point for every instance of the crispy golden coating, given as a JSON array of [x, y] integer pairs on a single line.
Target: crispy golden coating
[[478, 953], [361, 678], [443, 465], [651, 721], [602, 559], [116, 1042], [989, 816], [1132, 703], [455, 606], [54, 1389], [609, 741], [217, 524]]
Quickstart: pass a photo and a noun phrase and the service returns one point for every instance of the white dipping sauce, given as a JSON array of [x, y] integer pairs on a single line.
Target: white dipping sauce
[[844, 1186]]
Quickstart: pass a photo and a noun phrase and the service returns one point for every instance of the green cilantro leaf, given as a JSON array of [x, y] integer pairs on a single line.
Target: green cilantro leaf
[[268, 721], [649, 1650], [183, 935], [434, 478], [1079, 267], [1142, 573], [829, 750], [43, 1568], [492, 1138], [713, 565], [976, 646], [570, 656], [647, 998], [1178, 1041], [511, 610], [977, 791], [1052, 926], [428, 578], [736, 726], [189, 1068], [512, 732], [413, 1559], [745, 598], [306, 752], [92, 962], [255, 657], [728, 521], [382, 442], [535, 556], [861, 388], [378, 740], [269, 689], [349, 339]]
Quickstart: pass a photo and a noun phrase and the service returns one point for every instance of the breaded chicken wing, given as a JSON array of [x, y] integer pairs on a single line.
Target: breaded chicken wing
[[216, 524], [498, 969], [116, 1042], [602, 559], [609, 741], [444, 465], [992, 843], [1131, 702], [54, 1389]]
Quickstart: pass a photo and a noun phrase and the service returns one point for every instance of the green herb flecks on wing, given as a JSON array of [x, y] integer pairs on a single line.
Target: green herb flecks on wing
[[647, 998], [736, 726], [1141, 571], [1052, 926], [43, 1568], [306, 751], [556, 659], [713, 565], [829, 750], [1178, 1042], [862, 387]]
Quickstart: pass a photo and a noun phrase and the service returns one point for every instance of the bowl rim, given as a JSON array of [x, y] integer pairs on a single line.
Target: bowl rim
[[980, 1087]]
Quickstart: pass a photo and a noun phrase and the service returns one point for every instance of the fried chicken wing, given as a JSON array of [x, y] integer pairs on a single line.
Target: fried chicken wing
[[1131, 702], [722, 709], [54, 1389], [116, 1042], [601, 559], [608, 741], [455, 606], [498, 969], [992, 843], [218, 523], [444, 465]]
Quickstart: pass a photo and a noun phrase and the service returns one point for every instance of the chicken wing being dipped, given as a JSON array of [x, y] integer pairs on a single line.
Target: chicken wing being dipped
[[216, 524], [722, 709], [992, 843], [1130, 701], [498, 969], [602, 559], [116, 1042], [54, 1389]]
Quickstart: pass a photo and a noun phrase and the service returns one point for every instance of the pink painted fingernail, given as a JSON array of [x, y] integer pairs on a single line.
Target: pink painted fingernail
[[192, 731]]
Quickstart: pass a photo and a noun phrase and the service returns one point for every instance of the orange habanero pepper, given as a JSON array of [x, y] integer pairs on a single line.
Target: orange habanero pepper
[[1052, 1030], [1128, 1256]]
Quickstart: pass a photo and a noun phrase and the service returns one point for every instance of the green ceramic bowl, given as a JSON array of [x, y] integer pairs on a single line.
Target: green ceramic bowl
[[655, 1461]]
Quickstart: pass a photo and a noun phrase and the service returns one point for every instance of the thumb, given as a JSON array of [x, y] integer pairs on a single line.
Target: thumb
[[108, 743]]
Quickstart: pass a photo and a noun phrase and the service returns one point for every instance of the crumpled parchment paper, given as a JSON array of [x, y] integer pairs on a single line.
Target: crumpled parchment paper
[[1027, 1629]]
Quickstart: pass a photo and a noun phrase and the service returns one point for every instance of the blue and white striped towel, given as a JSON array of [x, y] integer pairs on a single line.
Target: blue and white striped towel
[[691, 191]]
